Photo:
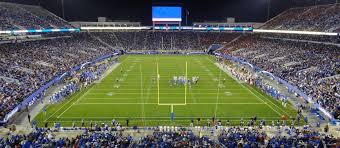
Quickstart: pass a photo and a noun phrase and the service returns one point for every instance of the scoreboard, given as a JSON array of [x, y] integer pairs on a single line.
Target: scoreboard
[[166, 14]]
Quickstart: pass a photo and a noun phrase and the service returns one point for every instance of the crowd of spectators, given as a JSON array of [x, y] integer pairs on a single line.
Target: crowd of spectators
[[181, 138], [27, 66], [18, 16], [45, 138], [306, 38], [287, 137], [167, 41], [325, 18], [312, 67], [225, 137]]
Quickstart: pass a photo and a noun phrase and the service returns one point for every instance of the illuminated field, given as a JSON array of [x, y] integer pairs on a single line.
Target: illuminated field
[[133, 91]]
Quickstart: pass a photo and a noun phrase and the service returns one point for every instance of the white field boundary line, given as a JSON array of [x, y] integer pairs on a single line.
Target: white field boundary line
[[251, 91], [113, 67], [216, 64], [80, 98], [242, 85], [64, 105], [170, 104], [278, 113], [271, 102], [189, 117], [73, 103], [111, 70], [124, 59]]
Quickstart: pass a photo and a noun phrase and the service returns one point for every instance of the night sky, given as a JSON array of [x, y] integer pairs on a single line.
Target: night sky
[[199, 10]]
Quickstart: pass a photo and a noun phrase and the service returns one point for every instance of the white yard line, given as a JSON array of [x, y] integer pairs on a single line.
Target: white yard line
[[133, 79], [141, 94], [164, 120], [208, 98], [139, 89], [163, 84], [150, 74], [166, 103], [121, 117], [167, 93], [218, 92]]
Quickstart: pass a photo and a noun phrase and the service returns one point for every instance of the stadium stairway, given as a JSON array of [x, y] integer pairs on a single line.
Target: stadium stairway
[[101, 41]]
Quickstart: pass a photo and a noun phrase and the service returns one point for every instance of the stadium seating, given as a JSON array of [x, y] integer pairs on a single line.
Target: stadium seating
[[182, 138], [325, 18], [302, 60], [255, 137], [45, 138], [27, 66], [168, 41], [312, 67], [17, 16], [228, 137], [299, 37]]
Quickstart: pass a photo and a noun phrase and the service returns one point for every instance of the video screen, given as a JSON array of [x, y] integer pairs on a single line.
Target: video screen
[[164, 13]]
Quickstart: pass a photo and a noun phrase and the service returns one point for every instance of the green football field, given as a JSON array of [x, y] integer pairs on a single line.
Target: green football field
[[141, 90]]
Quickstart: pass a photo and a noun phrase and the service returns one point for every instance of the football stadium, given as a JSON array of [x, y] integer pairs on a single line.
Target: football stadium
[[166, 73]]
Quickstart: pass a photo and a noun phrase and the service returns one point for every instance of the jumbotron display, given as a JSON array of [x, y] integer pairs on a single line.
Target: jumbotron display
[[166, 14]]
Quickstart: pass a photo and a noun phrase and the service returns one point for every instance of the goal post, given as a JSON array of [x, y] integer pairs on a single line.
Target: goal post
[[185, 87], [172, 113]]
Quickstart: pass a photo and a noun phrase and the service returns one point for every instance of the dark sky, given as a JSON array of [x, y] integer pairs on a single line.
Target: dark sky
[[199, 10]]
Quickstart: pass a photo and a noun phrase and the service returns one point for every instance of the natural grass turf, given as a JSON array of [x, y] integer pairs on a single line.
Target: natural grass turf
[[135, 95]]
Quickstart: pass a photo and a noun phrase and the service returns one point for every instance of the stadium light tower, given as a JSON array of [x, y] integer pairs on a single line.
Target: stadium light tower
[[62, 9], [268, 10], [186, 16]]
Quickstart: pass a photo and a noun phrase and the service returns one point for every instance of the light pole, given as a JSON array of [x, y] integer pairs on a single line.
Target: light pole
[[268, 9], [186, 16], [62, 9]]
